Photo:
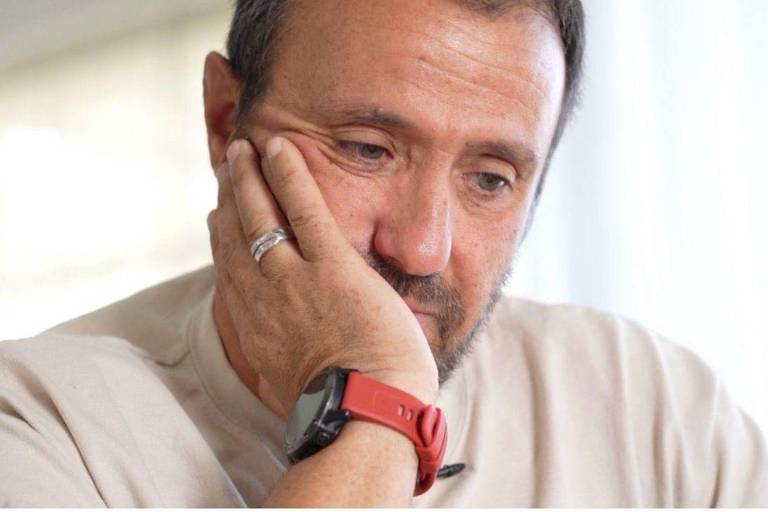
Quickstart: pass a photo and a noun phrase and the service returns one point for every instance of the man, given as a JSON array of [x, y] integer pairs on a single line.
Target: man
[[378, 163]]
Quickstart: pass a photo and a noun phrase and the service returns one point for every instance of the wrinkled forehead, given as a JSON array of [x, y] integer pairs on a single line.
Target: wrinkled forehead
[[439, 62]]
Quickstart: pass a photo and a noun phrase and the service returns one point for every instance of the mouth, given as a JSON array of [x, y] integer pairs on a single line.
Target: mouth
[[427, 321]]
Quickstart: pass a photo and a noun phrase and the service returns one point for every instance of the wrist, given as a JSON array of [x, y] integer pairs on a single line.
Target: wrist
[[381, 462], [422, 386], [416, 378], [390, 400], [391, 445]]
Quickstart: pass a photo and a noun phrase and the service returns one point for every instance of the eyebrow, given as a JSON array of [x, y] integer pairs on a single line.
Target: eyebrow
[[366, 114], [519, 154]]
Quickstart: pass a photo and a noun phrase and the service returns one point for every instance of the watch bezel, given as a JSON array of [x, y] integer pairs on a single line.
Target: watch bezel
[[328, 420]]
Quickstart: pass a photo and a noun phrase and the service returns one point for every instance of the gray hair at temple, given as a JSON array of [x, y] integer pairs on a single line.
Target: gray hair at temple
[[256, 25]]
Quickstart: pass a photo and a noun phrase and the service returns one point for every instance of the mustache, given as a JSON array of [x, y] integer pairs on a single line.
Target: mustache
[[432, 290]]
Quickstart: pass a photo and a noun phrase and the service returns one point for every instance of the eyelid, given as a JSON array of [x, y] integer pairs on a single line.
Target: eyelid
[[350, 142], [364, 136], [355, 144], [505, 190], [347, 158], [505, 163], [510, 178], [508, 182]]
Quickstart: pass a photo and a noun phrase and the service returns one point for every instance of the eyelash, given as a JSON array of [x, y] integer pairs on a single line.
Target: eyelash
[[504, 181], [505, 186], [353, 148]]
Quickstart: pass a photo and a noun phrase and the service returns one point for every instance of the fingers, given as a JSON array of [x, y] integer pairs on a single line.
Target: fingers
[[258, 210], [230, 249], [257, 199], [257, 213], [300, 199]]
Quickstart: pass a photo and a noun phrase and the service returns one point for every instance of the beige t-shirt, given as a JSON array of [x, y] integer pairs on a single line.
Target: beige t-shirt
[[136, 405]]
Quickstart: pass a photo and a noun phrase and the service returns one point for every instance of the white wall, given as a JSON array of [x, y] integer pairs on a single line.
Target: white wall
[[104, 180]]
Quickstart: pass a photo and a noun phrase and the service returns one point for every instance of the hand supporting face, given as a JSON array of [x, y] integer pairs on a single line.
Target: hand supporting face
[[312, 302]]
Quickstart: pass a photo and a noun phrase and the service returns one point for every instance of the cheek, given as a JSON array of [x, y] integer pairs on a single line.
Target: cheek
[[482, 246], [354, 202], [481, 255]]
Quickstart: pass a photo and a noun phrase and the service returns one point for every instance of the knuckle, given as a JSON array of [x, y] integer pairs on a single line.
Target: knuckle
[[304, 217], [286, 176]]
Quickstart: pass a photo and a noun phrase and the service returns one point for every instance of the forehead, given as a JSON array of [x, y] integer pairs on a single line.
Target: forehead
[[449, 70]]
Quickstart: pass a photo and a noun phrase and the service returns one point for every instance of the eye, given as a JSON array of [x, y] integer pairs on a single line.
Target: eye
[[362, 150], [489, 182]]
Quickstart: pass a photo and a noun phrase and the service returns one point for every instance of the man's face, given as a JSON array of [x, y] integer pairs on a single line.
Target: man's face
[[426, 127]]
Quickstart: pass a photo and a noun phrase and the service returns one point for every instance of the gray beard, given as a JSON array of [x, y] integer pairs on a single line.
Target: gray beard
[[448, 360], [434, 290]]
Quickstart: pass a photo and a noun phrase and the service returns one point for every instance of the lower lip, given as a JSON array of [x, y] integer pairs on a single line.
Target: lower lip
[[423, 317]]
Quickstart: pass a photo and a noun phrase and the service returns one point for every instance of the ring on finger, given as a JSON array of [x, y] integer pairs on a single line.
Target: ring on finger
[[269, 240]]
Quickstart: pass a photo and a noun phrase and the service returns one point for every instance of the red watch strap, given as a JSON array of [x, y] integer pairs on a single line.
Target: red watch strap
[[371, 400]]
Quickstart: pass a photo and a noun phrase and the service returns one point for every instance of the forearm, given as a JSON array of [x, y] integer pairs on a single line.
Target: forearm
[[368, 465]]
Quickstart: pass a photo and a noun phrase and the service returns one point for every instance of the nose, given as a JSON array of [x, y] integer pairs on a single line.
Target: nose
[[415, 231]]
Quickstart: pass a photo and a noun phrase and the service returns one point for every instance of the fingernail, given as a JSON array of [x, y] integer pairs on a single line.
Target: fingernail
[[274, 146], [232, 151]]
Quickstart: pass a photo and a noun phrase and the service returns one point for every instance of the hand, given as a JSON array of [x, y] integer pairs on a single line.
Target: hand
[[312, 302]]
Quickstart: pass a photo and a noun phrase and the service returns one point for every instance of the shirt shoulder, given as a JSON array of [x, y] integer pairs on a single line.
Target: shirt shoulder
[[603, 390], [154, 320], [602, 347], [88, 416], [122, 346]]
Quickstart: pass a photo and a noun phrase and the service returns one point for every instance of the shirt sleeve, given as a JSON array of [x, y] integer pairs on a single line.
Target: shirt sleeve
[[40, 464], [739, 457], [713, 453]]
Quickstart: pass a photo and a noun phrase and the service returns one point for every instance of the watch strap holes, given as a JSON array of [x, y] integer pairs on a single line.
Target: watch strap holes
[[406, 413]]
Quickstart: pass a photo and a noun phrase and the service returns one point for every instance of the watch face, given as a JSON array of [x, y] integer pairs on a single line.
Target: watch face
[[308, 408]]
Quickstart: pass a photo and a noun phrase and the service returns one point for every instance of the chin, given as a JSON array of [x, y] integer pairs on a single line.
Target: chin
[[449, 350]]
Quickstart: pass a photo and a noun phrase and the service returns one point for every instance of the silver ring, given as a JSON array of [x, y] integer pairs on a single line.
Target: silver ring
[[269, 240]]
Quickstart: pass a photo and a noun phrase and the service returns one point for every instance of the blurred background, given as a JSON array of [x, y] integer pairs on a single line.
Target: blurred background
[[654, 207]]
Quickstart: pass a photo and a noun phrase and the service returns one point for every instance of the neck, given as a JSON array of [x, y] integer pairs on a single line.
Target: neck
[[237, 360]]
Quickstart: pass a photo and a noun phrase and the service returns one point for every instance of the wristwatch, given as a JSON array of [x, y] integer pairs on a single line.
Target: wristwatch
[[338, 395]]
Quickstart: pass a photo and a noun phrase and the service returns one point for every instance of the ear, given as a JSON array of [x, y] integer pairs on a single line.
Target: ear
[[221, 93]]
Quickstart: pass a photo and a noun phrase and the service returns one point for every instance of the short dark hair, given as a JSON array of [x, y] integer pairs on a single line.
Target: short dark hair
[[256, 26]]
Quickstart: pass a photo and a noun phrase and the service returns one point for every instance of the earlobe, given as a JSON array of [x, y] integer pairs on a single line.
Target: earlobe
[[221, 93]]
